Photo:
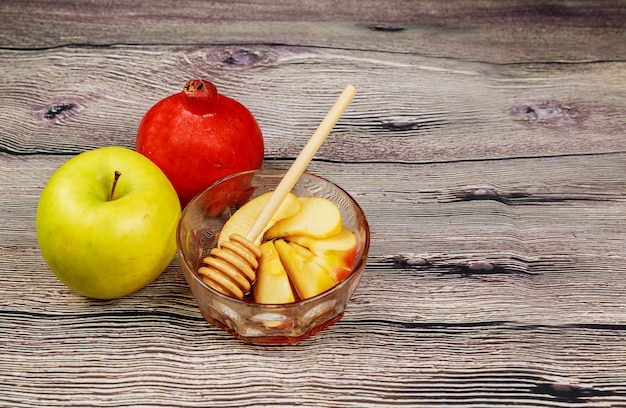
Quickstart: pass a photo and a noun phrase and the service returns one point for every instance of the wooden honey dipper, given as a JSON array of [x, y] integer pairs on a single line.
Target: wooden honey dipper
[[231, 268]]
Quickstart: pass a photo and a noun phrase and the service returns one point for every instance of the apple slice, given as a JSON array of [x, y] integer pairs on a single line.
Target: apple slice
[[318, 217], [308, 277], [336, 252], [272, 283], [343, 241], [241, 221]]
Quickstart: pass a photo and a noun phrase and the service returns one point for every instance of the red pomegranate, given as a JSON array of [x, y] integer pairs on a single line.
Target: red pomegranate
[[198, 136]]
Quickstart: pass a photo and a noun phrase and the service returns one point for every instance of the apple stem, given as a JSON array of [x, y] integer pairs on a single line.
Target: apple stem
[[115, 178]]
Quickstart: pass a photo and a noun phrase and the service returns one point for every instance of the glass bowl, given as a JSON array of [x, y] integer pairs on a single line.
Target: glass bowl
[[199, 227]]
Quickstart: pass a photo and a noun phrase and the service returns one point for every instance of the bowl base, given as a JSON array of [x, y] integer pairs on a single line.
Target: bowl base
[[274, 340]]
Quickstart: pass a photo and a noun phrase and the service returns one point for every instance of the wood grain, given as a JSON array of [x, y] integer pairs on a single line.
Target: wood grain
[[493, 31], [485, 145], [465, 299], [413, 109]]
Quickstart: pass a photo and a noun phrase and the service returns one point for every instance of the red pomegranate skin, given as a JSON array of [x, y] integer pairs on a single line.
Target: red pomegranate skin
[[199, 136]]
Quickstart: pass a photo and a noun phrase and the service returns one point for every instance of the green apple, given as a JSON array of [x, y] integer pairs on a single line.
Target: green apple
[[106, 222]]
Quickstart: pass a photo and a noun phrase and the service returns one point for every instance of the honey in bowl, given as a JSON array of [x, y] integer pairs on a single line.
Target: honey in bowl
[[198, 231]]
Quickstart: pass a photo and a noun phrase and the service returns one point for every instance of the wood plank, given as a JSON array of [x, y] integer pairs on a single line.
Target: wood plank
[[412, 109], [484, 30], [444, 231], [478, 366], [486, 146]]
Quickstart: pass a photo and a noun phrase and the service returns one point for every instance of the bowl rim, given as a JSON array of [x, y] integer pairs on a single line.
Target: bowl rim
[[357, 269]]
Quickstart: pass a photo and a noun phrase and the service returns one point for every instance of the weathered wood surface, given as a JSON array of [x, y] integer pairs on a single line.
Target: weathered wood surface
[[486, 145]]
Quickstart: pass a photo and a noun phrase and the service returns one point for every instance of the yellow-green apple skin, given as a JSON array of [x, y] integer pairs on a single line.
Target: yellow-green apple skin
[[317, 217], [241, 221], [272, 283], [308, 276], [107, 248]]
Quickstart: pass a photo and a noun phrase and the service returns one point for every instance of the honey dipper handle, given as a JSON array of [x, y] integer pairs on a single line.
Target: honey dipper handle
[[301, 162]]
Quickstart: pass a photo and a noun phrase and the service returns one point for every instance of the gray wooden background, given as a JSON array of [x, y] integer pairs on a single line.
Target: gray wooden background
[[486, 145]]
